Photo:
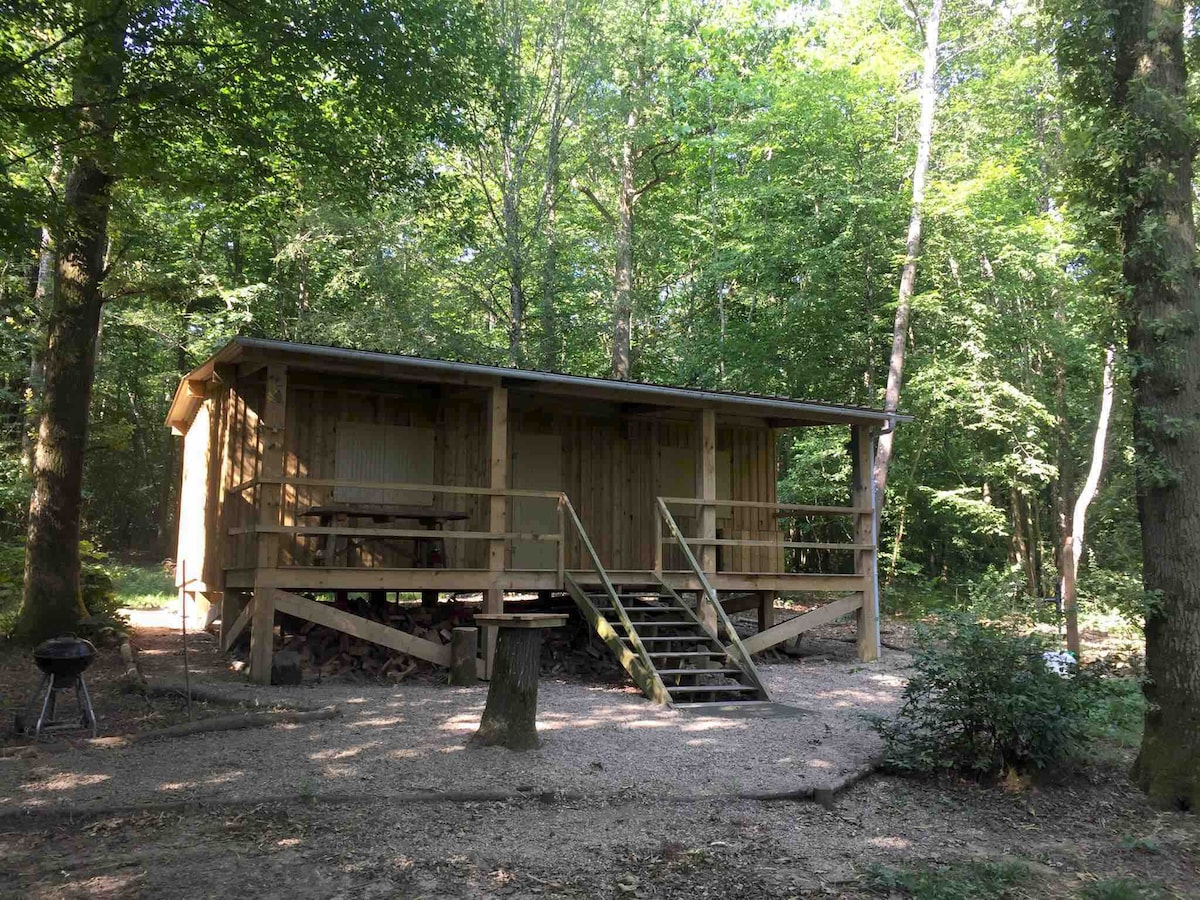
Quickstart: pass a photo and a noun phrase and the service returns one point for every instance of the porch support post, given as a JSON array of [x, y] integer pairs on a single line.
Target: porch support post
[[862, 452], [493, 598], [262, 635], [766, 610], [270, 496], [270, 504], [706, 489]]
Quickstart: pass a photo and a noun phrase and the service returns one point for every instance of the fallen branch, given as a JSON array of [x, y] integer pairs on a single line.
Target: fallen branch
[[238, 721]]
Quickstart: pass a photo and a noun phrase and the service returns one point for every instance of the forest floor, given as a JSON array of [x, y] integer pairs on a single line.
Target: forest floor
[[625, 799]]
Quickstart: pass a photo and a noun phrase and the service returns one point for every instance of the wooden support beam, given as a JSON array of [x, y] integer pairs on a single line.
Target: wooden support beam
[[262, 634], [361, 628], [706, 490], [493, 598], [233, 620], [271, 466], [766, 610], [706, 486], [792, 627], [862, 450], [464, 650]]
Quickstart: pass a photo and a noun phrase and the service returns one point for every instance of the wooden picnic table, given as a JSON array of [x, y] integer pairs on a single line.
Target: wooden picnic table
[[429, 553]]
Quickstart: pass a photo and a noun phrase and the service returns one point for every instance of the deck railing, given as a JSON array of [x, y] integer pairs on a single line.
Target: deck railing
[[782, 510], [558, 536]]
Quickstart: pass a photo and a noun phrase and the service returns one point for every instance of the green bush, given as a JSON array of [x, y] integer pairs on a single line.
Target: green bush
[[983, 702]]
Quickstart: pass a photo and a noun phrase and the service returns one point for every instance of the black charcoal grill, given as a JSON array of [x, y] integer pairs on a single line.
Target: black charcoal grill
[[62, 661]]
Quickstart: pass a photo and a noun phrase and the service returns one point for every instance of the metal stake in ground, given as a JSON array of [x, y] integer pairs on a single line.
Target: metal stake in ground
[[510, 715], [187, 678]]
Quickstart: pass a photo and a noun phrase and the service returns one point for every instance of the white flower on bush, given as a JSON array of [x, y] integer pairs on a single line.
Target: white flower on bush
[[1059, 662]]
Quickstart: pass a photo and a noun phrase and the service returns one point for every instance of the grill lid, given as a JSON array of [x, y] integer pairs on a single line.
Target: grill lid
[[65, 646]]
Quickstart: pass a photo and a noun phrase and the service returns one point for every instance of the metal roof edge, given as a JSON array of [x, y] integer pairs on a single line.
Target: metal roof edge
[[181, 410]]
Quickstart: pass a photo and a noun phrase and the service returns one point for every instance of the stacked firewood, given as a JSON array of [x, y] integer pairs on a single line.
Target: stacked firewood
[[325, 652]]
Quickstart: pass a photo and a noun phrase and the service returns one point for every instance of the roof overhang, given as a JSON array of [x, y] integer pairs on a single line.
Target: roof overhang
[[779, 411]]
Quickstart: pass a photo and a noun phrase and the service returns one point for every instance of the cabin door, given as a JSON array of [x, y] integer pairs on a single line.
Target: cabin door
[[536, 466]]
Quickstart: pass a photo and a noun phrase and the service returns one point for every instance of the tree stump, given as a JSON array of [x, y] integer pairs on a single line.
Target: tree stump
[[510, 714], [464, 648]]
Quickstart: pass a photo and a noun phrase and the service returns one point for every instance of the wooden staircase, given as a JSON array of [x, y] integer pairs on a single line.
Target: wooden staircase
[[658, 638]]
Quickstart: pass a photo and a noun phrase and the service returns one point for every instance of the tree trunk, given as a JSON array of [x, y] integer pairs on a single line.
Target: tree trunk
[[52, 602], [1158, 262], [42, 293], [512, 246], [551, 341], [510, 714], [912, 246], [623, 272], [1072, 547]]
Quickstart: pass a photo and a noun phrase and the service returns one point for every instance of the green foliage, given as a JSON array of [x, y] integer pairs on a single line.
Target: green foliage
[[981, 701], [978, 881], [142, 587], [1115, 710], [379, 175]]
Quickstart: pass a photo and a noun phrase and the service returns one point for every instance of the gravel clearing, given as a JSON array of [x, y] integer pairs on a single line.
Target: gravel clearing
[[597, 741]]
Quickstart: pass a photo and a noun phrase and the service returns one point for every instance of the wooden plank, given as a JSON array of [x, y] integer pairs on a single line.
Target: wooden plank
[[409, 486], [792, 627], [748, 542], [498, 463], [798, 508], [865, 561], [272, 461], [352, 531], [364, 629], [706, 489]]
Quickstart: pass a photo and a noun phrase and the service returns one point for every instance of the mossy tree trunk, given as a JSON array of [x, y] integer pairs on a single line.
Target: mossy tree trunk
[[52, 602], [1159, 263]]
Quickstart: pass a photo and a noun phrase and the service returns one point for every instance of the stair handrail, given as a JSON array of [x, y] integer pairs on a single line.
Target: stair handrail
[[605, 581], [710, 594]]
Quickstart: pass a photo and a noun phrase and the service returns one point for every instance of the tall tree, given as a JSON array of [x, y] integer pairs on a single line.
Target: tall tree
[[199, 94], [1126, 67], [927, 98], [52, 597]]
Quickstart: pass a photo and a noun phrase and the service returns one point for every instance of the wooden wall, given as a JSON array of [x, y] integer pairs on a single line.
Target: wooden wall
[[612, 468]]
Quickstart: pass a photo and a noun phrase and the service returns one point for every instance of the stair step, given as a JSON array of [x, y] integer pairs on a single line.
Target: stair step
[[645, 609], [711, 654], [690, 638], [706, 688], [675, 622], [741, 702], [699, 671]]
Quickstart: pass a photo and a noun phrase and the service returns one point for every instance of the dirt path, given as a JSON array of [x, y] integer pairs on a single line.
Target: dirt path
[[1070, 836], [322, 809]]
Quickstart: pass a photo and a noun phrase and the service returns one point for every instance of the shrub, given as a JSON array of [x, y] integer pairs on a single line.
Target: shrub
[[982, 701]]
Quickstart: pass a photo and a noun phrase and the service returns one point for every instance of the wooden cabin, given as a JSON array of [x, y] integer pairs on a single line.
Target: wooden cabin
[[312, 471]]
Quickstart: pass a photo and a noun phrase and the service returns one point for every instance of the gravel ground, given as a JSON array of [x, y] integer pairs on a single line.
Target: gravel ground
[[596, 741]]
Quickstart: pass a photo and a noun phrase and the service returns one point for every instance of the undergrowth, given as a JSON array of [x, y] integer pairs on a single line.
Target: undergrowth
[[976, 880]]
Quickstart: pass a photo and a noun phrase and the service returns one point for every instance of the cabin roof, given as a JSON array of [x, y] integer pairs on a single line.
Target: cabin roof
[[782, 411]]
